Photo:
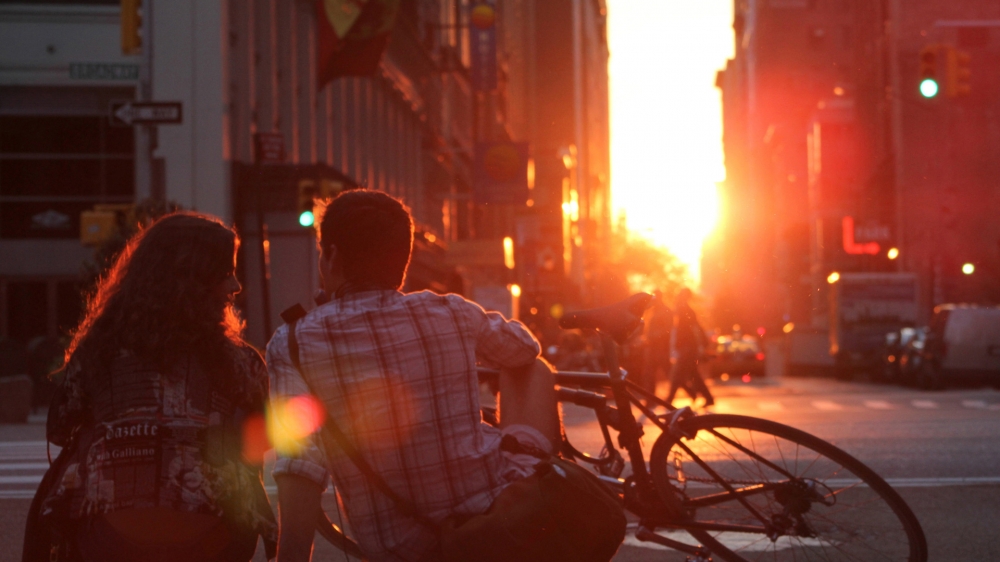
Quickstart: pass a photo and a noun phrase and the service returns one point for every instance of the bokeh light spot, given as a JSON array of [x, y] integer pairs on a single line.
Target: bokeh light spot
[[557, 311]]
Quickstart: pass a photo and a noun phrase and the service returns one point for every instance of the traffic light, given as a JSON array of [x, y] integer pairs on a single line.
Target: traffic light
[[929, 83], [131, 14], [309, 191], [103, 222], [958, 73], [307, 200]]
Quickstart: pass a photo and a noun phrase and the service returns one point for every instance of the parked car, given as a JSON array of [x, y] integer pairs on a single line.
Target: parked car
[[736, 357], [962, 343]]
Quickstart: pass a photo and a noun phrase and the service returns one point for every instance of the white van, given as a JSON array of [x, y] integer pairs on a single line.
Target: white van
[[963, 342]]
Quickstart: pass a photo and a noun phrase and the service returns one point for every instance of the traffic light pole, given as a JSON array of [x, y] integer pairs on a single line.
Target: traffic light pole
[[897, 129], [145, 133]]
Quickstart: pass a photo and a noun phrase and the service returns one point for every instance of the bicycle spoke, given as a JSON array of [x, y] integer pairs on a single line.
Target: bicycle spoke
[[815, 501]]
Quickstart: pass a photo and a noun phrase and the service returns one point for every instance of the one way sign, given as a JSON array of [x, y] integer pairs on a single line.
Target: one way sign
[[127, 113]]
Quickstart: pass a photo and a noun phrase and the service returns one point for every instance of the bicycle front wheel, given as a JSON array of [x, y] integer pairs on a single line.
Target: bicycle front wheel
[[759, 490]]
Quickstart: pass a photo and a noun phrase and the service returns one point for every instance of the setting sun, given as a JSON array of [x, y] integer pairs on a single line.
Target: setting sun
[[666, 119]]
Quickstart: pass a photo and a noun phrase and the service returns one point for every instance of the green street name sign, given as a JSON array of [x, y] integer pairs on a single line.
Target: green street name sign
[[103, 71]]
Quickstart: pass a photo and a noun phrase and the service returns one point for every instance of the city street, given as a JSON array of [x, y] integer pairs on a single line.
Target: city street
[[941, 450]]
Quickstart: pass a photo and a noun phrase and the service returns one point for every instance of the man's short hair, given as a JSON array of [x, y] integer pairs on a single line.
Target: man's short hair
[[373, 233]]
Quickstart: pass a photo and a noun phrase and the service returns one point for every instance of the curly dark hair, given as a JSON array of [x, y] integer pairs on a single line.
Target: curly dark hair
[[160, 301], [373, 233]]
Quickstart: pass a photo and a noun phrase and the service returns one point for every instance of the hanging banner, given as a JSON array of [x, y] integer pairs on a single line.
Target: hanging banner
[[352, 35], [501, 173], [483, 45]]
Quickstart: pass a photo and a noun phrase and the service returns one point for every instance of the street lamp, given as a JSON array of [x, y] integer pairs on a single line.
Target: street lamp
[[893, 253], [968, 268]]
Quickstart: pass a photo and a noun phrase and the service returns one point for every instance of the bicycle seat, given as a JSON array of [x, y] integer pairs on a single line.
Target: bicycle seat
[[618, 320]]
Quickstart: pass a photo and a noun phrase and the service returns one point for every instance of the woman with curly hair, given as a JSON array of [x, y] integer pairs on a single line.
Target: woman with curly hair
[[161, 408]]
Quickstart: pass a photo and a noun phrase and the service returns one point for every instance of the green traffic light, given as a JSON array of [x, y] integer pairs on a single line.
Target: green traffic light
[[928, 87], [306, 218]]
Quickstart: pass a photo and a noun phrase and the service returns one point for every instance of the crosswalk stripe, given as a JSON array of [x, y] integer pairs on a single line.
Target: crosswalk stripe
[[925, 404], [975, 404], [27, 479], [827, 406], [879, 405], [17, 494], [24, 466], [770, 406]]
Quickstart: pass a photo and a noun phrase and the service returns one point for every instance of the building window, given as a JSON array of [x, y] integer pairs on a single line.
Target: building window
[[36, 307], [52, 167]]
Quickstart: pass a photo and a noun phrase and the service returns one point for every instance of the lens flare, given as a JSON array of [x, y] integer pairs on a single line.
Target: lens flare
[[293, 419]]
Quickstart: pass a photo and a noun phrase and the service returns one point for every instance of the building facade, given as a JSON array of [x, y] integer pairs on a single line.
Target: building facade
[[245, 74], [833, 156]]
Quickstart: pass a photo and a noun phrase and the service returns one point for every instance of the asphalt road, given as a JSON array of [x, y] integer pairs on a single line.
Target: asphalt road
[[940, 450]]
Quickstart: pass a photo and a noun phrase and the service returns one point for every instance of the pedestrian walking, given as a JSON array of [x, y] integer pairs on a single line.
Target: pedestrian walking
[[157, 412], [659, 320], [687, 345]]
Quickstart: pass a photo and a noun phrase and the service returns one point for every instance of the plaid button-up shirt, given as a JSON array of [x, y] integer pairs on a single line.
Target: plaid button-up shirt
[[398, 374]]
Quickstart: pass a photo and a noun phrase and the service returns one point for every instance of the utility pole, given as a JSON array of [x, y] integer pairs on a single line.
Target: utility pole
[[145, 134]]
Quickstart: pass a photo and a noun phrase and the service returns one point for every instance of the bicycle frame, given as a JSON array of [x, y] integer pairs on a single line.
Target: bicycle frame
[[644, 500]]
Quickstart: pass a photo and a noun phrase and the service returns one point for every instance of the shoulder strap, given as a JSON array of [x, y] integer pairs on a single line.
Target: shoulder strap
[[406, 506]]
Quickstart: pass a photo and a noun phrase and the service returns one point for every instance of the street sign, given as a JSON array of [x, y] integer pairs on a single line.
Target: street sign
[[103, 71], [128, 113], [269, 148]]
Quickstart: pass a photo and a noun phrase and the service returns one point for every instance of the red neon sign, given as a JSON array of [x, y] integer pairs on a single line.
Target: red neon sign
[[852, 247]]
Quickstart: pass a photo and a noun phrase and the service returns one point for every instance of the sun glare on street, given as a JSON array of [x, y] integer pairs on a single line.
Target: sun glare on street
[[666, 125]]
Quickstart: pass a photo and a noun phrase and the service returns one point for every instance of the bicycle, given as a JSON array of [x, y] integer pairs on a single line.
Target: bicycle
[[745, 488]]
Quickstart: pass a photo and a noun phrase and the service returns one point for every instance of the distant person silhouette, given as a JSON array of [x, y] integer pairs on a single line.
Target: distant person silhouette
[[656, 357], [687, 343]]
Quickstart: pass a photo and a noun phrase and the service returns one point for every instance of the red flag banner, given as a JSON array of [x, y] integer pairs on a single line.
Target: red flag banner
[[352, 35]]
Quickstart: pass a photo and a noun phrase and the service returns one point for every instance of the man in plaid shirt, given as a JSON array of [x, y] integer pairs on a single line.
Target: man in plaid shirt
[[397, 372]]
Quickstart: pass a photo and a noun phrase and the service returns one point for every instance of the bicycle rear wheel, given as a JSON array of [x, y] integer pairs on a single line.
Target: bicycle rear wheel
[[804, 498]]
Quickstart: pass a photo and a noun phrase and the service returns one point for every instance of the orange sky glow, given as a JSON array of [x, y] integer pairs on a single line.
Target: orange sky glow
[[666, 118]]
